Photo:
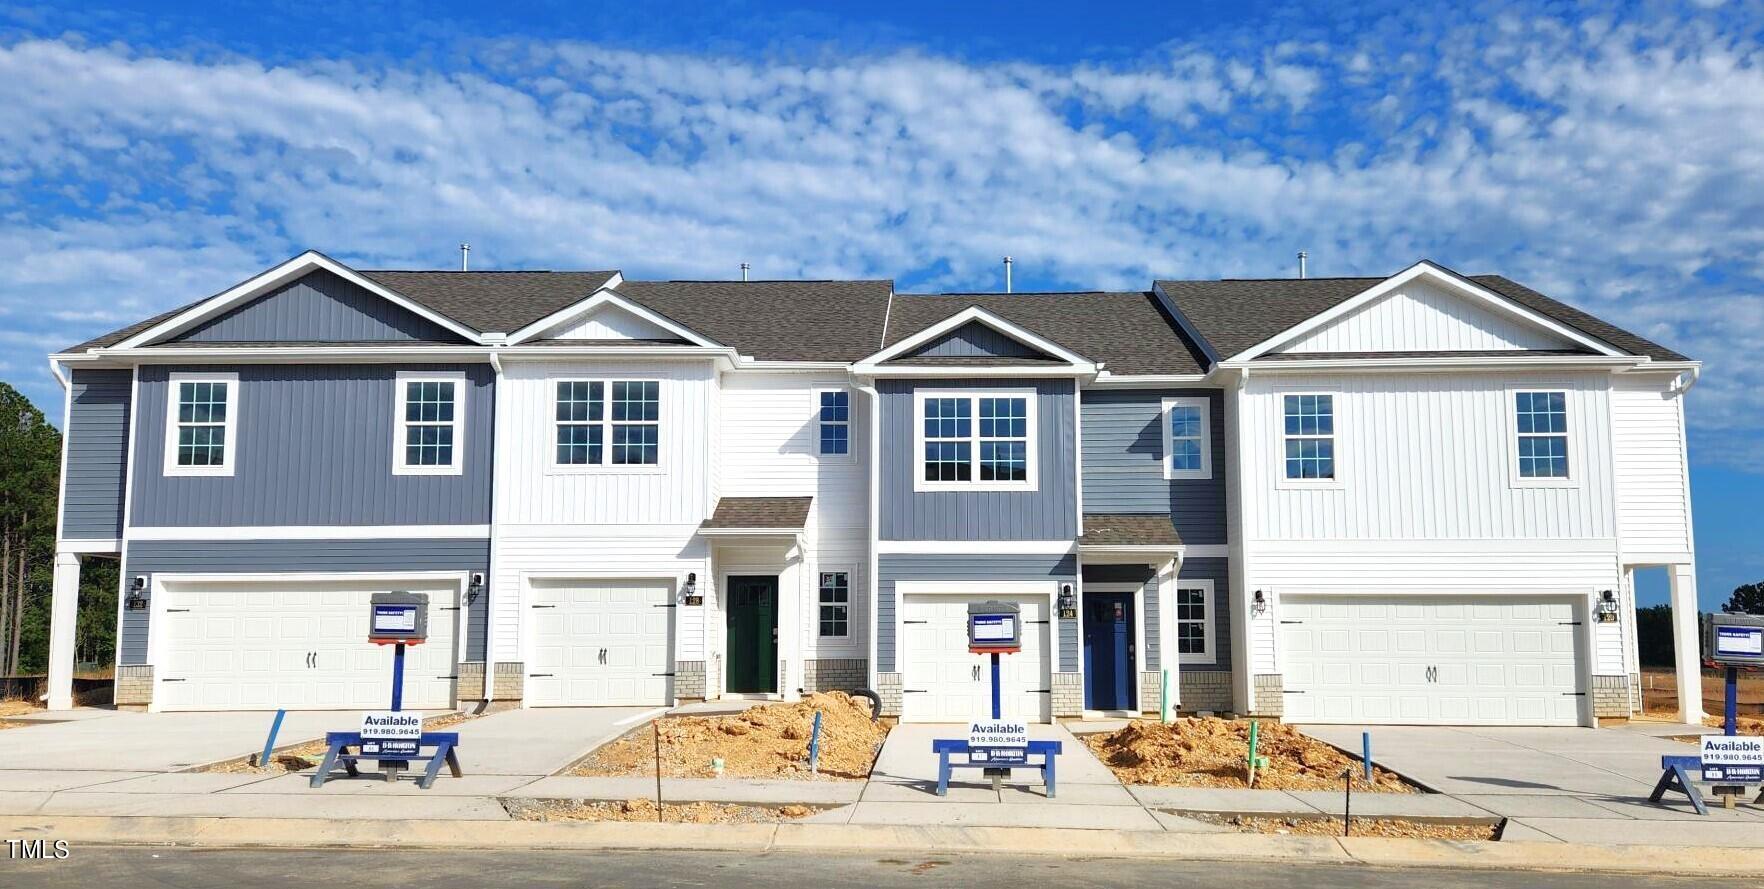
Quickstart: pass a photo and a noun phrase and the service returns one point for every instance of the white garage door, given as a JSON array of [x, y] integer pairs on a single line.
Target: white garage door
[[1431, 660], [599, 643], [943, 682], [299, 646]]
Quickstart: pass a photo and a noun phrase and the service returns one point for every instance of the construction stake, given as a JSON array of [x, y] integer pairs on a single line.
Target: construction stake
[[655, 728]]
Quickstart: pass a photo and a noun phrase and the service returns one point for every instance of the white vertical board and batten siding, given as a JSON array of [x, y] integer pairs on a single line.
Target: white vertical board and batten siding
[[1653, 491], [1421, 317]]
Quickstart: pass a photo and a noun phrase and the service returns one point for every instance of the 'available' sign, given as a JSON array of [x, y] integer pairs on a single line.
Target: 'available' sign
[[997, 733], [1738, 750], [391, 726]]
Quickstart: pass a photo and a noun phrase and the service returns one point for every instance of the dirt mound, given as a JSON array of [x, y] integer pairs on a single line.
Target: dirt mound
[[1211, 752], [768, 741]]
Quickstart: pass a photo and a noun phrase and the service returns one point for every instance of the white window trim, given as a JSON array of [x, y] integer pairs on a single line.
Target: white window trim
[[850, 603], [1206, 438], [1209, 628], [850, 426], [1031, 480], [400, 424], [1511, 408], [1280, 479], [230, 451], [552, 467]]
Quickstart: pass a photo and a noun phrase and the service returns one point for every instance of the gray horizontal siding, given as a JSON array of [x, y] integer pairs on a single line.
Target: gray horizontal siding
[[319, 307], [974, 340], [894, 568], [1219, 572], [1124, 462], [97, 454], [1047, 513], [1144, 577], [314, 447], [300, 556]]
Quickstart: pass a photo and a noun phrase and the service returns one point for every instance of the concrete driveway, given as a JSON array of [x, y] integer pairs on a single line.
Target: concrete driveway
[[122, 741]]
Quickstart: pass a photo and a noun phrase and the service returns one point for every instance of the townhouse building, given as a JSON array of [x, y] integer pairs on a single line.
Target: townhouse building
[[1417, 499]]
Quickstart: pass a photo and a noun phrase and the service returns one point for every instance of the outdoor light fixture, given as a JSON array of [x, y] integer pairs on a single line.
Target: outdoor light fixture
[[1259, 603], [137, 600], [474, 588], [1068, 603], [689, 590], [1607, 607]]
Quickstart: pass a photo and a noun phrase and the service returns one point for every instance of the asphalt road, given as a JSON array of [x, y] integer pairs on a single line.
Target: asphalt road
[[165, 868]]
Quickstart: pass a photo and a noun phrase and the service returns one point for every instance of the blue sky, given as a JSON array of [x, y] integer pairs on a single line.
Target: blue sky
[[1605, 154]]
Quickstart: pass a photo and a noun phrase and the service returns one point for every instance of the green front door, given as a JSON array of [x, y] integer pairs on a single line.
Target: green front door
[[753, 634]]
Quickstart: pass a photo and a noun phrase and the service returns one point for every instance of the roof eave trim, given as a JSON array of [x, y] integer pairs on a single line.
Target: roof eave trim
[[1443, 275], [969, 315], [278, 354], [946, 371], [264, 282], [1173, 548], [1617, 362], [607, 296], [750, 532]]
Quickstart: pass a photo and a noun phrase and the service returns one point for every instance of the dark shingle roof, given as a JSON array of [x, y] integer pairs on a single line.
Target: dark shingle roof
[[1107, 529], [492, 301], [1235, 314], [782, 513], [1129, 332], [775, 320]]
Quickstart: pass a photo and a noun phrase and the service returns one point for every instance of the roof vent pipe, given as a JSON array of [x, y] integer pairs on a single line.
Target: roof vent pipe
[[1302, 257], [744, 268], [1007, 263], [465, 257]]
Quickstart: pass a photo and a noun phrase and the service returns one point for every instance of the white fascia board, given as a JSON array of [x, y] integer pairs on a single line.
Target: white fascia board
[[587, 350], [1106, 380], [960, 371], [312, 532], [93, 546], [294, 354], [976, 314], [977, 547], [606, 296], [260, 284], [752, 533], [1440, 365], [1445, 278]]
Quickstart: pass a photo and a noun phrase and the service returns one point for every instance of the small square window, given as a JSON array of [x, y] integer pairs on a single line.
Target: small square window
[[199, 432], [429, 437], [835, 604]]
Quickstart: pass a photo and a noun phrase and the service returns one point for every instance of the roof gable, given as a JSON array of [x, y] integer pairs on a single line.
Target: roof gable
[[974, 346], [608, 317], [318, 307], [1422, 316], [975, 340]]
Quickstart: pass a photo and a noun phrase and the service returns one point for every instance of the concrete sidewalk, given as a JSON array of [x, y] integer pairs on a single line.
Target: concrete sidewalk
[[541, 741], [153, 742]]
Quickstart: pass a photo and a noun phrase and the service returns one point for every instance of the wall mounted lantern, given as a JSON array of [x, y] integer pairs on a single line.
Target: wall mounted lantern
[[1258, 603], [689, 590], [1068, 603], [137, 598], [1607, 609]]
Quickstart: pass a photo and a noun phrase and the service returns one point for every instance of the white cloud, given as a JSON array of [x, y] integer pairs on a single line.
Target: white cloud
[[1615, 166]]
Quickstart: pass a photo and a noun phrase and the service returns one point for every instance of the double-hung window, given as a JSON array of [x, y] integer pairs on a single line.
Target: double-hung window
[[202, 419], [428, 438], [1309, 437], [979, 441], [1194, 622], [1541, 430], [1188, 451], [835, 604], [833, 422], [606, 423]]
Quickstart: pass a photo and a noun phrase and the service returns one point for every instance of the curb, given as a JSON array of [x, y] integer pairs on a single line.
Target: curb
[[797, 837]]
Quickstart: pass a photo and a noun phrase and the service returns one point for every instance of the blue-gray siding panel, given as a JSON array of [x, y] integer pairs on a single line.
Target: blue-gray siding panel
[[1144, 577], [1219, 572], [1047, 513], [894, 568], [1124, 462], [314, 448], [974, 340], [304, 556], [97, 454], [319, 307]]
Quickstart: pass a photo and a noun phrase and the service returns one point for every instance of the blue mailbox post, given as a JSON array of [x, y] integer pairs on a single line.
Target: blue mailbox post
[[393, 738], [997, 745]]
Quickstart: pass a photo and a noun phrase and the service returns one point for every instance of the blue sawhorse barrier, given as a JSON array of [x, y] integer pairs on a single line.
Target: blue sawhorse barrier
[[337, 750], [1676, 772], [945, 747]]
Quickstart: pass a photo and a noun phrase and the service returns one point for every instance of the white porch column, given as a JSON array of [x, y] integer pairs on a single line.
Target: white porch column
[[1687, 643], [791, 594], [64, 612]]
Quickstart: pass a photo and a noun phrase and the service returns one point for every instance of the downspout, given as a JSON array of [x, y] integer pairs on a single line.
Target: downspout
[[875, 580], [490, 563]]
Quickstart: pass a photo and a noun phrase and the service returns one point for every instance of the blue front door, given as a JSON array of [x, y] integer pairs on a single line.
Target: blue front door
[[1108, 651]]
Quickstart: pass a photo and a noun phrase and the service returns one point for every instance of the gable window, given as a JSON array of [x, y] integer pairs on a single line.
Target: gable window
[[1541, 427], [1194, 623], [835, 604], [200, 433], [1310, 437], [977, 441], [606, 423], [834, 422], [1188, 449], [427, 438]]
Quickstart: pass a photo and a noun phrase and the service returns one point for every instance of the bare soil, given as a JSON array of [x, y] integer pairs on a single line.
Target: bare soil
[[1213, 752], [767, 741], [308, 755], [1362, 827], [644, 810], [17, 708], [1660, 690]]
